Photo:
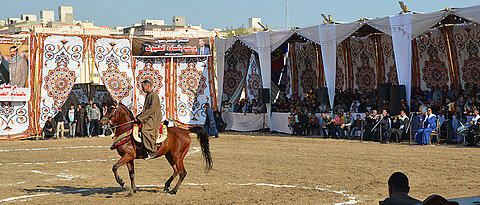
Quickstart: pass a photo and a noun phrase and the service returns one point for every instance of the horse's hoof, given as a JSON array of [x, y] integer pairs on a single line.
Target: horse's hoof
[[122, 184], [134, 190], [165, 191], [172, 192], [129, 194]]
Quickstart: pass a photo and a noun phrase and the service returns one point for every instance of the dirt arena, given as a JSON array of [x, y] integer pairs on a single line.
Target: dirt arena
[[249, 168]]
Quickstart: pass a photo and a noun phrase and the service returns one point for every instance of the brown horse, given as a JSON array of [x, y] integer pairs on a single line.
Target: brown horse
[[175, 147]]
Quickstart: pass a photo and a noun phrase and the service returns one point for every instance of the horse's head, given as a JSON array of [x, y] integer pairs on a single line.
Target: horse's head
[[110, 116]]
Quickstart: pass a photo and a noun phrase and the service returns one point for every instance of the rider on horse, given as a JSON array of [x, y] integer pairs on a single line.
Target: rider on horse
[[151, 119]]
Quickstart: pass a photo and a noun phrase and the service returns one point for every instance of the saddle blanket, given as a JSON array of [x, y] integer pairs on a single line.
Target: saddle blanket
[[127, 136]]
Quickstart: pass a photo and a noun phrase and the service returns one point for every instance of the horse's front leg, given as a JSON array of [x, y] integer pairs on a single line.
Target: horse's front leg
[[125, 158], [131, 172]]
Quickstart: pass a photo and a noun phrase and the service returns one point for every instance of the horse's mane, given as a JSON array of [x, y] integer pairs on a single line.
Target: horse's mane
[[126, 108]]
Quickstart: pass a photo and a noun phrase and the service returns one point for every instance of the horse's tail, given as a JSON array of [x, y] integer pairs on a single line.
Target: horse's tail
[[203, 137]]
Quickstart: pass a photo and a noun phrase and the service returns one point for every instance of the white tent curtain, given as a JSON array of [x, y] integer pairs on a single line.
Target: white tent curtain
[[327, 34], [402, 46]]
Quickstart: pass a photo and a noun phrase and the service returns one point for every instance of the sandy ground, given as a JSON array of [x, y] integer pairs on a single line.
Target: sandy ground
[[249, 168]]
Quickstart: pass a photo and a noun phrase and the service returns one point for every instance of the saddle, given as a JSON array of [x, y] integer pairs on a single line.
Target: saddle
[[161, 136]]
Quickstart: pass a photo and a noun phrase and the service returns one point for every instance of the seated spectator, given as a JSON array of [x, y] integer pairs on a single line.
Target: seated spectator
[[312, 125], [398, 191], [339, 119], [49, 129], [348, 124], [221, 125], [291, 122], [357, 126], [301, 126], [328, 126]]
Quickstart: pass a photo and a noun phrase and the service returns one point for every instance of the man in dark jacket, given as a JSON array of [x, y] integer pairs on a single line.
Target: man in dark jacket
[[302, 123], [398, 191], [49, 129]]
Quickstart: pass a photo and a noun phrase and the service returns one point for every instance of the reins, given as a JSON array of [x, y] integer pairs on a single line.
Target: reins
[[129, 122]]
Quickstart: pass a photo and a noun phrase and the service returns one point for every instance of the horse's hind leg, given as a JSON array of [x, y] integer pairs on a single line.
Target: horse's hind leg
[[175, 172], [182, 172], [131, 172], [125, 158]]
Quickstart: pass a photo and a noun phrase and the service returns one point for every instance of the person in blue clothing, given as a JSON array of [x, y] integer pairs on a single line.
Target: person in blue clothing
[[429, 124], [210, 124]]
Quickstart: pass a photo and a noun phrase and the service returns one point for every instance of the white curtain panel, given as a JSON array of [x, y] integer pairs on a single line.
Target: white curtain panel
[[328, 35], [62, 57], [114, 64]]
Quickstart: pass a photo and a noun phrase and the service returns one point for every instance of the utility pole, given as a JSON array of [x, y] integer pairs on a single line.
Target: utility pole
[[287, 24]]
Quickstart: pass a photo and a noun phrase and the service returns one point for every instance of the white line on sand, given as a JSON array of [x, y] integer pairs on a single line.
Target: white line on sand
[[51, 148], [353, 199]]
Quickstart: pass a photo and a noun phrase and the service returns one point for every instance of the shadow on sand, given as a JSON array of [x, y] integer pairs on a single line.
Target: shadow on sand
[[109, 191]]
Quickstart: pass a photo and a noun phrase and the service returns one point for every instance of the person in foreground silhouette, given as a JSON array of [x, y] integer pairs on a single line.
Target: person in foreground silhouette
[[398, 191]]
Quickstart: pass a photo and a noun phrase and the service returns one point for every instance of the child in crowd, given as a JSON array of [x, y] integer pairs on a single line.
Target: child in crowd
[[291, 121]]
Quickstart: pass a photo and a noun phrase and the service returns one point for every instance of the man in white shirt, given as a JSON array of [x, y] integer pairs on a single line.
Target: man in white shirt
[[72, 122], [474, 129]]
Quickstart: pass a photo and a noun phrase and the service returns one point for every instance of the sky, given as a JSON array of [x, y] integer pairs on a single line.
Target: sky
[[221, 14]]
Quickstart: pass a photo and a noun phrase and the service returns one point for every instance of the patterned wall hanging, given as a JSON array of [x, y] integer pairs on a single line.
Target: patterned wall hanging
[[254, 79], [14, 118], [341, 67], [61, 58], [306, 60], [389, 59], [467, 43], [155, 71], [363, 59], [193, 88], [433, 60], [236, 63], [113, 61]]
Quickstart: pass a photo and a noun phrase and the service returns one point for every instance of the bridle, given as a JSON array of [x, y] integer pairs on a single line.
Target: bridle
[[115, 115]]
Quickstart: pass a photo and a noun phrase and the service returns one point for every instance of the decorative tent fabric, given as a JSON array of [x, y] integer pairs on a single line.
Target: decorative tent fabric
[[193, 88], [306, 64], [340, 76], [13, 117], [237, 65], [467, 43], [433, 60], [254, 79], [363, 59], [388, 56], [113, 61], [153, 70], [61, 58]]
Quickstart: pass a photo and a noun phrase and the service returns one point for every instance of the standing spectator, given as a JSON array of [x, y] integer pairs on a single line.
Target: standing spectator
[[358, 125], [210, 124], [49, 129], [60, 123], [94, 115], [72, 120], [87, 110], [348, 124], [80, 118], [312, 125]]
